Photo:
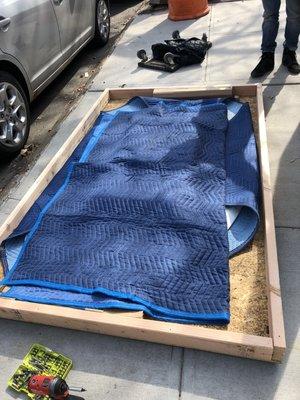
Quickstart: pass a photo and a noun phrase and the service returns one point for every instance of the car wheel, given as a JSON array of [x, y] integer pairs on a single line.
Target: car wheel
[[102, 28], [14, 115]]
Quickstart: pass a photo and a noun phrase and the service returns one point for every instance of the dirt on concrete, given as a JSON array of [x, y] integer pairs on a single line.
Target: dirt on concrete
[[63, 94]]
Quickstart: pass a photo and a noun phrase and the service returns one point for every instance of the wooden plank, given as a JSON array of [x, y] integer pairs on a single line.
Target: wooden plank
[[276, 323], [193, 92], [53, 167], [123, 313], [128, 93], [191, 336], [244, 90]]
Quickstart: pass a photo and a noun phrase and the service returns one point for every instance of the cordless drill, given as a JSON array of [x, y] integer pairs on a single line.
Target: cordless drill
[[53, 386]]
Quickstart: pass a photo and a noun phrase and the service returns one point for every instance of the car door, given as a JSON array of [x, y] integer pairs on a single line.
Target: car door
[[76, 23], [29, 32]]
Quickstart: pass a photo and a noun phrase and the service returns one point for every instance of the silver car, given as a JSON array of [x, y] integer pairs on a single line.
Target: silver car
[[38, 38]]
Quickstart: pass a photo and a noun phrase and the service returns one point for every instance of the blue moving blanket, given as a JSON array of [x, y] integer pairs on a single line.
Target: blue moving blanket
[[171, 202]]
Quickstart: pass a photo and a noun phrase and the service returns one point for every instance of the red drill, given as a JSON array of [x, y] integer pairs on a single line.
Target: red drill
[[54, 387]]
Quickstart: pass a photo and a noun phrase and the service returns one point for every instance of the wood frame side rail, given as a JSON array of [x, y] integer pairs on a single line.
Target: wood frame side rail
[[275, 311], [231, 343], [132, 325]]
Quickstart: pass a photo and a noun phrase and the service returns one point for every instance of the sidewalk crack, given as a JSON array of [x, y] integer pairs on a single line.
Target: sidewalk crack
[[286, 227], [181, 374], [208, 36]]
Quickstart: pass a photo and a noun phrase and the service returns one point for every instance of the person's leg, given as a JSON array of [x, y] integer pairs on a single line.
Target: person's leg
[[269, 33], [292, 30], [270, 25]]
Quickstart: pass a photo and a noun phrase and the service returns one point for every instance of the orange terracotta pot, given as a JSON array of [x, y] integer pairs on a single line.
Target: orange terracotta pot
[[187, 9]]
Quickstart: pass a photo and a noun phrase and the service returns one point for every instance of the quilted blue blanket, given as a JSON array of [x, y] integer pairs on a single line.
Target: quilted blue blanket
[[141, 223]]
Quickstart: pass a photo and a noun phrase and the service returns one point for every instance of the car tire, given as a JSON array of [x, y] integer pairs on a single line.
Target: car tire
[[14, 115], [102, 24]]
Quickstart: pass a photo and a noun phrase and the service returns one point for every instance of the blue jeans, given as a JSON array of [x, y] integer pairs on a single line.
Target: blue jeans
[[271, 24]]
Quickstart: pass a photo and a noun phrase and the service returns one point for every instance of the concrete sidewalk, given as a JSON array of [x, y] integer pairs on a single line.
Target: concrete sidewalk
[[118, 368]]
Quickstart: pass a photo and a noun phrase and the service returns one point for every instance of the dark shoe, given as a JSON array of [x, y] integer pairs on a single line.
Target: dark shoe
[[265, 65], [289, 60]]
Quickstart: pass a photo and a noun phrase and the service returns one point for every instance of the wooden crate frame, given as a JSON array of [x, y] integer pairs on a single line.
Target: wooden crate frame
[[131, 324]]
